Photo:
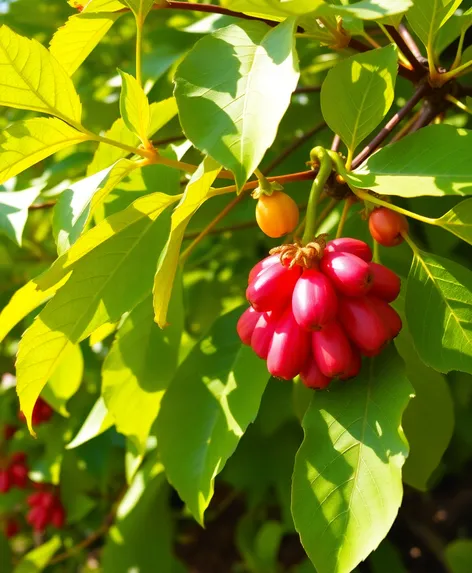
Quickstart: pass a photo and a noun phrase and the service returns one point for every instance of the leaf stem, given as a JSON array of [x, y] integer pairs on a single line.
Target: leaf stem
[[344, 214], [139, 49], [455, 73], [415, 64], [325, 168], [458, 103], [460, 47]]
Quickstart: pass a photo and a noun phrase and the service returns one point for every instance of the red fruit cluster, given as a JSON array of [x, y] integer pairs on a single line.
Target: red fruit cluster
[[318, 322], [12, 528], [42, 412], [45, 509], [15, 474]]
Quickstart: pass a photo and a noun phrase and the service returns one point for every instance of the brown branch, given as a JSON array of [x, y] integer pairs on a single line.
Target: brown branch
[[293, 146], [410, 42], [392, 123], [419, 69], [307, 90], [336, 143]]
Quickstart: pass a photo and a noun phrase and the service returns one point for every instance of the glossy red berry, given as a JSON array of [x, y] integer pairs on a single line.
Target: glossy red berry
[[385, 283], [18, 458], [38, 518], [12, 528], [354, 366], [290, 348], [58, 517], [314, 300], [246, 325], [363, 325], [272, 289], [262, 335], [5, 481], [386, 226], [389, 316], [349, 245], [349, 274], [261, 265], [332, 350], [312, 376], [19, 475]]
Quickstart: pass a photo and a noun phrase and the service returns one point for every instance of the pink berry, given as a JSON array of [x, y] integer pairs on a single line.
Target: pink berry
[[389, 315], [272, 289], [5, 481], [350, 275], [34, 499], [354, 366], [261, 265], [385, 283], [19, 475], [349, 245], [58, 517], [363, 325], [332, 350], [38, 518], [314, 301], [262, 335], [312, 376], [246, 325], [290, 348]]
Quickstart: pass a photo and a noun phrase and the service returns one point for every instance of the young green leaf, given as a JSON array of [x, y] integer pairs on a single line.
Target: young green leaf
[[459, 221], [97, 422], [140, 8], [277, 8], [214, 396], [103, 6], [77, 38], [433, 161], [429, 418], [347, 485], [373, 9], [26, 142], [232, 111], [439, 312], [196, 193], [426, 17], [33, 79], [14, 212], [459, 556], [134, 107], [357, 94], [37, 559], [110, 281], [139, 368]]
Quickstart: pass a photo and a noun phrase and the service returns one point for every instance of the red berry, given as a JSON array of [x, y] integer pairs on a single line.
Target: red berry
[[312, 376], [363, 325], [386, 226], [12, 528], [332, 350], [262, 335], [290, 348], [261, 265], [354, 366], [314, 301], [47, 500], [272, 288], [19, 475], [44, 409], [350, 275], [389, 315], [18, 458], [246, 325], [5, 481], [58, 517], [9, 431], [385, 283], [349, 245], [38, 518]]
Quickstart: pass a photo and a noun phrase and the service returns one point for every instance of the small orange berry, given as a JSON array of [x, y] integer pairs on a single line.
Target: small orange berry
[[277, 214]]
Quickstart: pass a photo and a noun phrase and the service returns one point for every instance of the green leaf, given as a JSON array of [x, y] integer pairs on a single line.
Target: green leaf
[[215, 395], [140, 8], [429, 418], [141, 537], [433, 161], [277, 8], [439, 312], [357, 94], [134, 106], [459, 556], [37, 560], [76, 39], [139, 368], [110, 281], [5, 554], [33, 79], [65, 381], [77, 204], [387, 557], [26, 142], [225, 112], [373, 9], [103, 6], [14, 212], [161, 113], [347, 486], [426, 17], [196, 193], [97, 422], [459, 221]]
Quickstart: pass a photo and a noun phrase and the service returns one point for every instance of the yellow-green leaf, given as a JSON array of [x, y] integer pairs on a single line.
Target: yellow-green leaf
[[140, 8], [196, 193], [134, 107], [37, 559], [73, 42], [26, 142], [459, 221], [14, 212], [103, 6], [33, 79], [97, 422]]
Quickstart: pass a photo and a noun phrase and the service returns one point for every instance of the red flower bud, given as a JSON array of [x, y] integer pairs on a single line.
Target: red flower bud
[[350, 275], [262, 335], [349, 245], [246, 325], [385, 283], [389, 315], [290, 348], [314, 301], [273, 287], [332, 350], [312, 376]]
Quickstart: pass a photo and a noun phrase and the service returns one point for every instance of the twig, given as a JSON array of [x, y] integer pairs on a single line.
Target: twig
[[82, 545], [392, 123], [418, 67], [307, 90], [410, 42], [336, 143]]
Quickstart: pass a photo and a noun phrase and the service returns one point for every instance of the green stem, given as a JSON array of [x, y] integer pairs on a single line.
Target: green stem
[[459, 71], [460, 47], [401, 55], [458, 103], [264, 183], [376, 252], [367, 197], [320, 154], [342, 221], [139, 50], [410, 242]]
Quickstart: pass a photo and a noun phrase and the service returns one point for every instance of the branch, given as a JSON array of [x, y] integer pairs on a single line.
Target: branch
[[418, 67], [394, 121], [410, 42], [306, 90]]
